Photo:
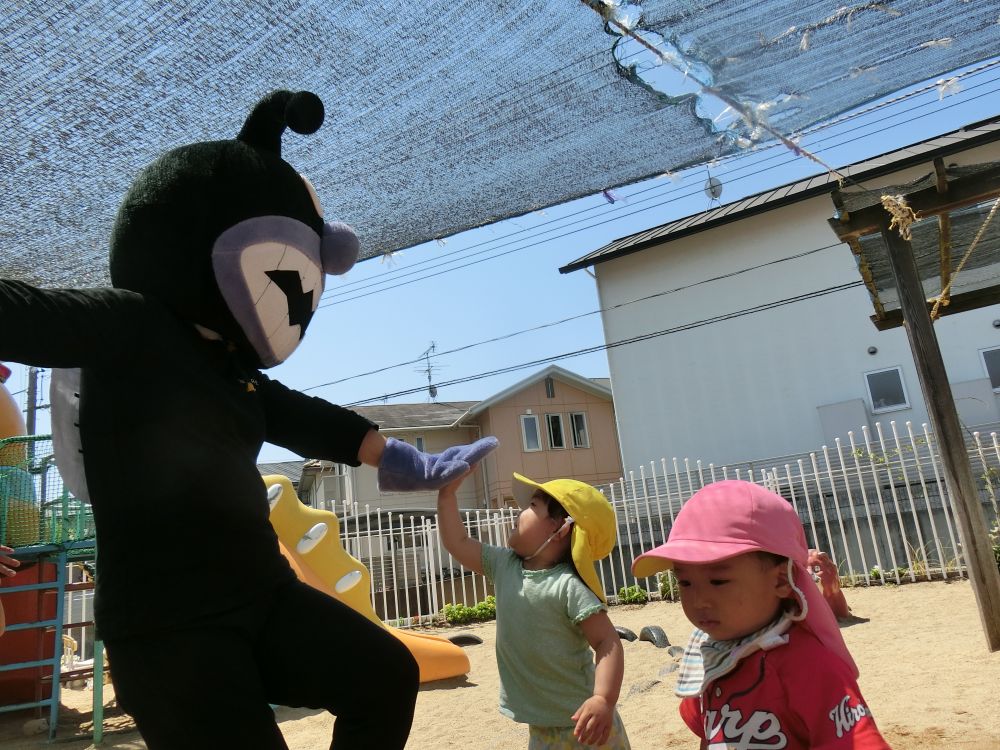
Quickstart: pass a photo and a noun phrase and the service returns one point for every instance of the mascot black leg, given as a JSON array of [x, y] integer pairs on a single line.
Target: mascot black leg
[[315, 652], [197, 688]]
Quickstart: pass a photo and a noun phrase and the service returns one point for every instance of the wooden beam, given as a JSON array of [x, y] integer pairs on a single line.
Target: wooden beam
[[866, 276], [843, 216], [962, 191], [957, 469], [944, 250], [944, 231], [942, 175], [957, 303]]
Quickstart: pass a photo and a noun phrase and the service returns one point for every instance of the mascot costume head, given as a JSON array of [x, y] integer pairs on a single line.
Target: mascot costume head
[[231, 238]]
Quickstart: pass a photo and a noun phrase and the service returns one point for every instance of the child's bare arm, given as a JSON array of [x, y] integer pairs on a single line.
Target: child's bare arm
[[594, 718], [466, 550], [7, 568]]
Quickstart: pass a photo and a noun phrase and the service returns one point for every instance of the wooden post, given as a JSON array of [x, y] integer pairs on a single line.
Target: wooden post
[[940, 403]]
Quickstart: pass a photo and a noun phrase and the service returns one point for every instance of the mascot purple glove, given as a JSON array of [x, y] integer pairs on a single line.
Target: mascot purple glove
[[405, 469]]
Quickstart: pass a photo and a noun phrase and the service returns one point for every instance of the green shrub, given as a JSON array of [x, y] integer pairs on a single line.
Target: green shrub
[[486, 609], [460, 614], [632, 595], [667, 583]]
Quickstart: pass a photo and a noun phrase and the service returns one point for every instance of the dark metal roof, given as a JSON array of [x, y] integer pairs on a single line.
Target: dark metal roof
[[400, 416], [290, 469], [970, 136]]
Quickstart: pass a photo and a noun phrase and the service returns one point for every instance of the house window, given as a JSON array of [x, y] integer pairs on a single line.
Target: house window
[[886, 390], [578, 424], [418, 443], [991, 361], [530, 438], [550, 388], [555, 425]]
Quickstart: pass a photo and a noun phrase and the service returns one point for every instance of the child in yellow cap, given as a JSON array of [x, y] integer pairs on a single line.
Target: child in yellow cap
[[551, 611]]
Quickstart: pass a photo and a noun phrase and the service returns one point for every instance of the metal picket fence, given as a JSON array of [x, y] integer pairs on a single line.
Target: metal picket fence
[[875, 502]]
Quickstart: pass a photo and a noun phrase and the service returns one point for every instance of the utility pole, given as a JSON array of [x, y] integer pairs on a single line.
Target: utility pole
[[32, 400]]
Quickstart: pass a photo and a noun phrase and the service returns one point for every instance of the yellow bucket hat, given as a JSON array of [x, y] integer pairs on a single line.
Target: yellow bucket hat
[[595, 529]]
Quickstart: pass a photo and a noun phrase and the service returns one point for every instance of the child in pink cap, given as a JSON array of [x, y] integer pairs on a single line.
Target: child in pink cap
[[766, 666]]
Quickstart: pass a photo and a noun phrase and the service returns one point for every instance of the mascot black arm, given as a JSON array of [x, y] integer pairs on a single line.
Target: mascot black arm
[[310, 426], [68, 327]]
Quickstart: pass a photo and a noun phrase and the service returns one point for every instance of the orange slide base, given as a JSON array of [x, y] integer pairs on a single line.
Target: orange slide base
[[437, 658]]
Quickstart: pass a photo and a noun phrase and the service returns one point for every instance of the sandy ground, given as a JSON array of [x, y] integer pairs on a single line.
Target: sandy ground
[[925, 672]]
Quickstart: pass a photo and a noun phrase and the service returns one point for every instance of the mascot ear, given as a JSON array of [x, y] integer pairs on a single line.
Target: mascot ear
[[339, 248], [302, 112]]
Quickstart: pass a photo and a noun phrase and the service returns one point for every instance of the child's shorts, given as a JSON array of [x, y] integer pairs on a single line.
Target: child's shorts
[[561, 738]]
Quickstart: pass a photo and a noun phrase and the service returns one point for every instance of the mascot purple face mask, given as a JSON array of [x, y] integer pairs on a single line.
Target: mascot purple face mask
[[231, 238]]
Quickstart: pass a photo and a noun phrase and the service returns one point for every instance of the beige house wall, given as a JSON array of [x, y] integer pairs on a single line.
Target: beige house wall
[[597, 464], [490, 484]]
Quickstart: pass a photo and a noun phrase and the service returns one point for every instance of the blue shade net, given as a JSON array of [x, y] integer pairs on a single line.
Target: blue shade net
[[441, 116]]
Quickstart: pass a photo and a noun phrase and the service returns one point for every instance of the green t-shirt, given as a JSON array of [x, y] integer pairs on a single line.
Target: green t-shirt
[[545, 662]]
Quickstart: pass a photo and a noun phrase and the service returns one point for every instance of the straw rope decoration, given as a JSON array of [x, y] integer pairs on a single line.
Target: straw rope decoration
[[979, 235], [902, 215]]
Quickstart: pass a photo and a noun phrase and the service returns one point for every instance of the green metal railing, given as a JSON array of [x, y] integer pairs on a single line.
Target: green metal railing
[[35, 506], [44, 524]]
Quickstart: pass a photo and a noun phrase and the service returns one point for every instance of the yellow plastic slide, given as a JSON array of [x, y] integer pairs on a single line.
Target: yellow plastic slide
[[310, 539], [17, 490], [11, 425]]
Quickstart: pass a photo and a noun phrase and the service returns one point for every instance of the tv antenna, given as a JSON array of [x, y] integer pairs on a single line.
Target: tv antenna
[[429, 369]]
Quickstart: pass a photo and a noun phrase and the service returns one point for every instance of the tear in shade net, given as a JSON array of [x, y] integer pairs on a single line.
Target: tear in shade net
[[440, 116]]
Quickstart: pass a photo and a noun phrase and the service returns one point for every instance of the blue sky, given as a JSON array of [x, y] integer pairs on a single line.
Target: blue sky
[[503, 279]]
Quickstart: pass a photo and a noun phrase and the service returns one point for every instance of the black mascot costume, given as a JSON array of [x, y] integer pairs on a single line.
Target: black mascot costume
[[218, 257]]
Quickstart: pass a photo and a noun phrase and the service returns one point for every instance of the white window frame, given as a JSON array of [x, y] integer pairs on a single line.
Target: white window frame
[[562, 431], [524, 433], [573, 432], [418, 443], [902, 383], [982, 358]]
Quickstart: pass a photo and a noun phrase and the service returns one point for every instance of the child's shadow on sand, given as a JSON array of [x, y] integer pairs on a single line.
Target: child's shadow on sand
[[846, 622], [462, 681], [287, 713]]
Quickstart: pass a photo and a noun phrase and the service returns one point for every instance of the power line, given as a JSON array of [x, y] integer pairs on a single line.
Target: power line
[[554, 323], [625, 342], [370, 290], [433, 274], [558, 322], [741, 155]]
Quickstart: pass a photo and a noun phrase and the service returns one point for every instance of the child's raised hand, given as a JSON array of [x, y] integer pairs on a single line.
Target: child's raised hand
[[7, 563], [593, 721], [451, 488]]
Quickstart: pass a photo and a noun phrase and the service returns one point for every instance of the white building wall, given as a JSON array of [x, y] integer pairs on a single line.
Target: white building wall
[[752, 387]]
